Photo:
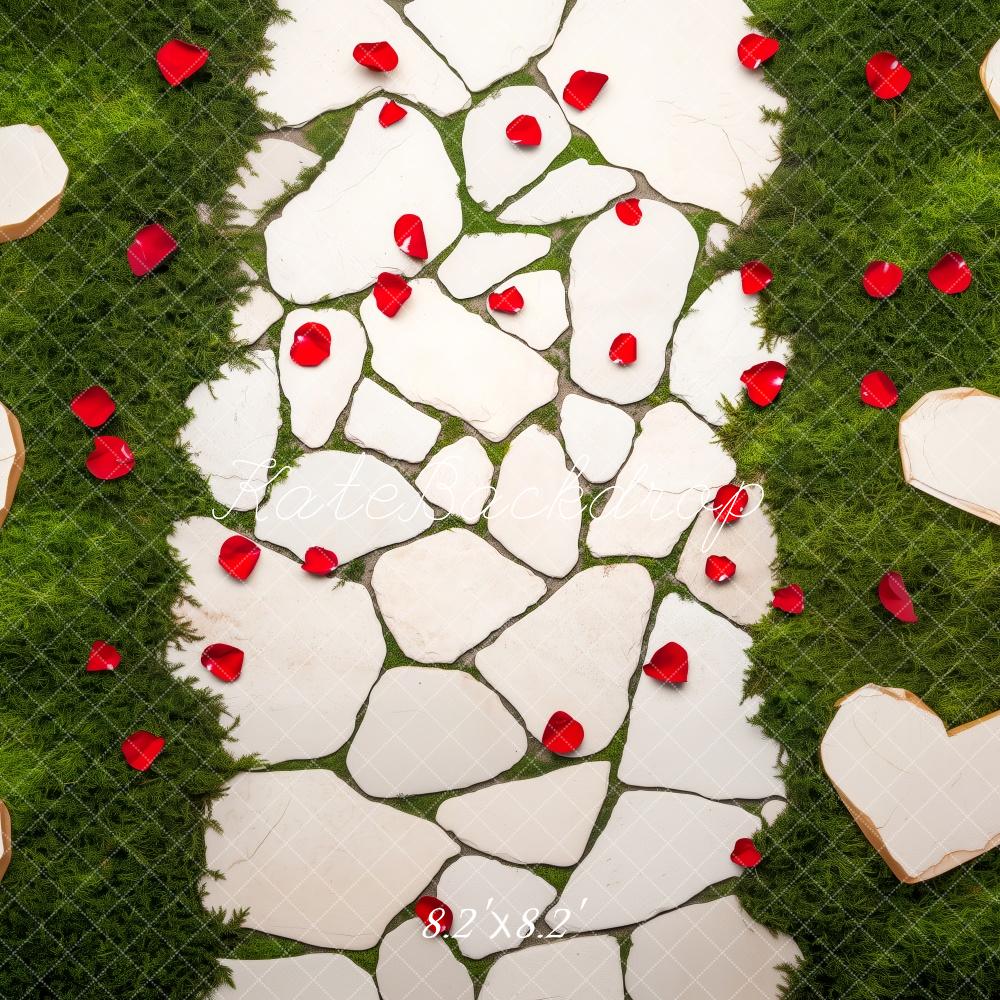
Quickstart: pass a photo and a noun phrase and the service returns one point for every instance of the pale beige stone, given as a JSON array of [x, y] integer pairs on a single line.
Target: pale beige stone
[[598, 436], [305, 977], [581, 969], [480, 260], [265, 176], [11, 459], [543, 317], [253, 317], [569, 192], [33, 176], [989, 73], [458, 479], [383, 422], [414, 965]]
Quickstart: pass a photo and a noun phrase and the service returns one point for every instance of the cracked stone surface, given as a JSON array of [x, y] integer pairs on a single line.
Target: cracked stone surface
[[261, 310], [458, 479], [268, 171], [313, 68], [233, 430], [575, 653], [447, 592], [414, 967], [428, 729], [11, 459], [313, 860], [313, 647], [543, 317], [305, 977], [337, 235], [581, 969], [482, 259], [383, 422], [598, 436], [33, 176], [569, 192]]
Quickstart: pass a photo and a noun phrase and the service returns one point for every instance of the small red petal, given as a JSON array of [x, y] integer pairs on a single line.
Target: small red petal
[[951, 274], [379, 57], [223, 661], [524, 130], [756, 276], [583, 88], [103, 656], [669, 664], [94, 406], [719, 569], [887, 76], [764, 381], [390, 114], [878, 390], [510, 300], [624, 349], [882, 279], [111, 458], [629, 211], [896, 598], [563, 734], [320, 561], [791, 599], [745, 853], [141, 749], [150, 247], [410, 238], [391, 291], [434, 914], [310, 345], [178, 60], [238, 556], [729, 503], [755, 49]]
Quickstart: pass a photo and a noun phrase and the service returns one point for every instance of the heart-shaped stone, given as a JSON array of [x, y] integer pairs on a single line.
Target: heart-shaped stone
[[719, 569], [409, 235], [223, 661], [951, 274], [391, 113], [624, 349], [320, 561], [790, 599], [562, 733], [510, 300], [141, 749], [524, 130], [729, 503], [754, 50], [103, 656], [668, 664], [93, 406], [764, 381], [434, 914], [150, 247], [391, 291], [887, 76], [583, 88], [755, 276], [310, 345], [178, 60], [878, 390], [896, 598], [111, 458], [238, 556], [379, 57], [882, 278], [629, 211]]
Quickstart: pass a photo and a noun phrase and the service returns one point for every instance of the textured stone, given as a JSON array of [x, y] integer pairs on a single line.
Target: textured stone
[[253, 317], [598, 436], [458, 479], [33, 176], [11, 459], [989, 73], [577, 189], [266, 175], [305, 977], [581, 969], [772, 810], [384, 422], [543, 317], [717, 238], [413, 966], [482, 259]]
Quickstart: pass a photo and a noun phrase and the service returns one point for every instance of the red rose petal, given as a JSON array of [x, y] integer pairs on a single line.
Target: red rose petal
[[745, 853], [563, 734], [755, 49], [790, 599], [950, 274], [410, 238], [583, 88], [510, 300], [141, 749], [103, 656], [882, 279], [238, 556], [320, 561], [391, 291], [150, 247], [756, 276], [719, 569], [878, 390], [178, 60], [629, 211], [668, 664], [379, 57], [524, 130], [310, 345], [223, 661], [764, 381], [94, 406], [729, 503], [390, 114], [624, 349], [111, 458], [887, 76], [434, 914], [896, 598]]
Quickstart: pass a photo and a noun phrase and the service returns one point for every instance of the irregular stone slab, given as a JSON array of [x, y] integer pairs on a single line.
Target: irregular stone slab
[[536, 821], [543, 317], [337, 236], [11, 459], [485, 40], [351, 504], [261, 310], [658, 850], [708, 951], [414, 967], [318, 395], [772, 810], [751, 544], [676, 466], [313, 647], [33, 176], [919, 792], [717, 238], [482, 259], [5, 839], [598, 436], [266, 175], [313, 68], [435, 351], [570, 192], [581, 969], [947, 446], [535, 513], [458, 479], [989, 73], [575, 653], [313, 860], [233, 430], [696, 737], [316, 977], [428, 729], [443, 594], [499, 899], [384, 422], [613, 290], [715, 343], [702, 140], [495, 168]]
